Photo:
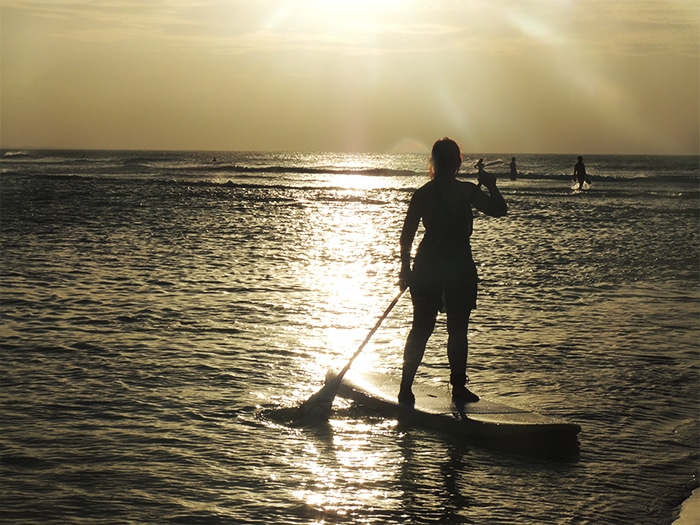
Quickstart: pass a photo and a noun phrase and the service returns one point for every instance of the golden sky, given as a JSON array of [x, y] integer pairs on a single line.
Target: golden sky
[[499, 76]]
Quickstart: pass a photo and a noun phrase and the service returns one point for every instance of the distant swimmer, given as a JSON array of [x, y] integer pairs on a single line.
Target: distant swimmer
[[513, 169], [580, 174], [443, 277]]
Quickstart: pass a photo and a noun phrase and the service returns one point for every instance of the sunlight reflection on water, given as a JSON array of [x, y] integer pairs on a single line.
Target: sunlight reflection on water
[[356, 461]]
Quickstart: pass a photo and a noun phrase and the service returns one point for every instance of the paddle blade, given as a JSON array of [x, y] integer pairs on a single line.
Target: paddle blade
[[319, 405]]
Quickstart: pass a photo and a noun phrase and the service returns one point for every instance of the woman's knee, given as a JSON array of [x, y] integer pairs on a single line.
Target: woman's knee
[[458, 322], [421, 331]]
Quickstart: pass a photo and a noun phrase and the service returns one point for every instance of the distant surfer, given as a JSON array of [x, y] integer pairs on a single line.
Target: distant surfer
[[444, 276], [513, 169], [580, 174]]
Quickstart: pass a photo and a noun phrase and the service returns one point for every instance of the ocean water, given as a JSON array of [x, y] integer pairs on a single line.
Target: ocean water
[[159, 307]]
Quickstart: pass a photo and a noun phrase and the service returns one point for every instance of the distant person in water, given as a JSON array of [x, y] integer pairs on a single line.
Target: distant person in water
[[580, 174], [513, 169], [443, 277]]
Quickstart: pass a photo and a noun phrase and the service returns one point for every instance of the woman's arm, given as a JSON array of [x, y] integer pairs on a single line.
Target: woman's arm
[[408, 233], [493, 203]]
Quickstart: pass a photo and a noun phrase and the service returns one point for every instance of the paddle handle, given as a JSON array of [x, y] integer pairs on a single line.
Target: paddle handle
[[389, 308]]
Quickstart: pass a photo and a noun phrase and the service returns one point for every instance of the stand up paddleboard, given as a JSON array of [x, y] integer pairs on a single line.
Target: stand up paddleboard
[[484, 422]]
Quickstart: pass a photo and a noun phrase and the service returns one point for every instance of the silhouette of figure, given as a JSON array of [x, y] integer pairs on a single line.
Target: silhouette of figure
[[513, 169], [444, 276], [479, 167], [580, 174]]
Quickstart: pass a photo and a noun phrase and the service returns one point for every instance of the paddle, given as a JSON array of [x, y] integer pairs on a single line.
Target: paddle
[[319, 405]]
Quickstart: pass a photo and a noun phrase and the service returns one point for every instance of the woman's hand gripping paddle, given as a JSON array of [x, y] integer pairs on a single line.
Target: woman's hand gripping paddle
[[318, 406]]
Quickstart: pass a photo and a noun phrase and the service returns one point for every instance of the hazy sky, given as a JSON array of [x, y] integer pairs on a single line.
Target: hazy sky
[[499, 76]]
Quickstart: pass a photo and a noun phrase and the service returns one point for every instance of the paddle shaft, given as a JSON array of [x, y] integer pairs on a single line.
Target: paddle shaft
[[323, 399], [370, 334]]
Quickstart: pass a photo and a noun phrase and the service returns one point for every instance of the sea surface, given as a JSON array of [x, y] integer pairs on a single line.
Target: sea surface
[[158, 308]]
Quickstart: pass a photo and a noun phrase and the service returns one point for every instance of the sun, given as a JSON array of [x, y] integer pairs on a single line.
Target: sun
[[366, 7], [330, 15]]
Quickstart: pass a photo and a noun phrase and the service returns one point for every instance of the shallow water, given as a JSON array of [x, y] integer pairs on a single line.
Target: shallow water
[[158, 307]]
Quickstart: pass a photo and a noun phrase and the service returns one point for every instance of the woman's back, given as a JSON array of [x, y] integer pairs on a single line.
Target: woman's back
[[446, 212]]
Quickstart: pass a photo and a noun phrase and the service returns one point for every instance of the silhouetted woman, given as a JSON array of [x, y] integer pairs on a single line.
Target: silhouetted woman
[[444, 275]]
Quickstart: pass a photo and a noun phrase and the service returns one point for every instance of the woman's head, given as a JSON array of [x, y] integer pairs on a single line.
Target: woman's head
[[445, 158]]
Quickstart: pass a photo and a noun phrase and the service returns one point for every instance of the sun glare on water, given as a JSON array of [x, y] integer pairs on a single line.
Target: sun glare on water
[[341, 278], [341, 269]]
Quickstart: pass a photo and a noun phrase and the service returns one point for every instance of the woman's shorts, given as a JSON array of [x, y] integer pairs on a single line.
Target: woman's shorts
[[448, 287]]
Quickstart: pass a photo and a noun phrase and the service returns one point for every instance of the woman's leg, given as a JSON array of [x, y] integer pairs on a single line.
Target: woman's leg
[[460, 299], [425, 308], [458, 346]]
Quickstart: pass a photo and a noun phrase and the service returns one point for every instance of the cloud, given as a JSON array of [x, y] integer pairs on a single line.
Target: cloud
[[108, 21]]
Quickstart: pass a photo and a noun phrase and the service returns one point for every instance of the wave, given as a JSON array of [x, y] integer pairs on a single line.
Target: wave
[[276, 190], [16, 154], [254, 179], [173, 165], [278, 169], [627, 178]]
